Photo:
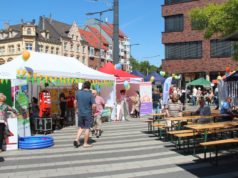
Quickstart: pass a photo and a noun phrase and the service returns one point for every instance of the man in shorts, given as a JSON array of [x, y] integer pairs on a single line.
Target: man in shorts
[[85, 102]]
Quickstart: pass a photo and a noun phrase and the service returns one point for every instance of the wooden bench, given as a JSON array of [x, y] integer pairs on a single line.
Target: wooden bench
[[179, 132], [216, 144], [150, 121]]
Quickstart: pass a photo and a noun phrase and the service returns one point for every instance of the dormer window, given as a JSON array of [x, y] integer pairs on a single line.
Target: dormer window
[[28, 31]]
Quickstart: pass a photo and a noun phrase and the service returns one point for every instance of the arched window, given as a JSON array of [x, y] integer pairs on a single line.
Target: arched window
[[9, 59], [2, 61], [28, 31]]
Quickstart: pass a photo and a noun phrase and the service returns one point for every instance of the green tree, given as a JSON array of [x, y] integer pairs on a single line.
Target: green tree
[[144, 66], [217, 19]]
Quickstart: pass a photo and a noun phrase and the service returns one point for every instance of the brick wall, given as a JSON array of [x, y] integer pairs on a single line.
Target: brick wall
[[205, 64]]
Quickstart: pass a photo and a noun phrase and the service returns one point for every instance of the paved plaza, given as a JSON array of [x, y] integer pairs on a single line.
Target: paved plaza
[[124, 150]]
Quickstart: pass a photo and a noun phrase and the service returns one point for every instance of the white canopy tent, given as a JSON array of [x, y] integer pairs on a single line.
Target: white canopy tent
[[52, 65], [56, 66]]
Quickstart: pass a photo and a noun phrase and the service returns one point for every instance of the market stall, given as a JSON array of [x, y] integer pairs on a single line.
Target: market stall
[[131, 83], [32, 72]]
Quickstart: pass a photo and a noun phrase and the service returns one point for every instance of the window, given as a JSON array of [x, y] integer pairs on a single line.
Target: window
[[102, 53], [2, 50], [83, 60], [11, 49], [18, 47], [52, 50], [46, 49], [84, 49], [221, 48], [76, 38], [57, 51], [9, 59], [78, 48], [41, 48], [28, 31], [2, 61], [28, 46], [185, 50], [65, 45], [72, 47], [174, 23], [91, 52], [198, 25], [169, 2]]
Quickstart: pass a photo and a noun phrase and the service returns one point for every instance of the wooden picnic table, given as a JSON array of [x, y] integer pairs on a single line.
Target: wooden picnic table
[[209, 126]]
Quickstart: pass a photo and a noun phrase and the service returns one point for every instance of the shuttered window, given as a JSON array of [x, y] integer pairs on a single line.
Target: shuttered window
[[174, 23], [184, 50], [221, 48], [168, 2]]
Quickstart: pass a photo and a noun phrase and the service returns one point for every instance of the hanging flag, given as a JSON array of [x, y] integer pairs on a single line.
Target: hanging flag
[[166, 89]]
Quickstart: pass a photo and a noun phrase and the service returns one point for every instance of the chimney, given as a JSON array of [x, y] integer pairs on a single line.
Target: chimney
[[6, 25], [43, 23]]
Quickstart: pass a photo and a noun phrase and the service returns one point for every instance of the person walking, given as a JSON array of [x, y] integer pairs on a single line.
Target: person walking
[[63, 107], [4, 108], [100, 104], [70, 108], [85, 102]]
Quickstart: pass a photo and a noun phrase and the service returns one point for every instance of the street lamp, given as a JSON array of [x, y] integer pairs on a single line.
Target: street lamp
[[136, 44], [116, 56], [100, 29]]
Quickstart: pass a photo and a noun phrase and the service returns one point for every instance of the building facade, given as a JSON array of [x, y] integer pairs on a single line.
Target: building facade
[[106, 29], [92, 44], [49, 36], [186, 50]]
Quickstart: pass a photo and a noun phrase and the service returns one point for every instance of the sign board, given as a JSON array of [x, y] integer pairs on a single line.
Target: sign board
[[146, 98]]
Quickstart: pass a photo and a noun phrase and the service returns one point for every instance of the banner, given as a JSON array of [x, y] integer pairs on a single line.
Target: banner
[[146, 98], [20, 90], [166, 88]]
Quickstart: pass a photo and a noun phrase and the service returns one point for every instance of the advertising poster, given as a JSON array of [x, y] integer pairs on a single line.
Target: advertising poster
[[166, 88], [20, 90], [146, 98]]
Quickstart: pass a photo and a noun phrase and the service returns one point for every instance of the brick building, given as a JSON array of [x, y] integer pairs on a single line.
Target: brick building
[[186, 50]]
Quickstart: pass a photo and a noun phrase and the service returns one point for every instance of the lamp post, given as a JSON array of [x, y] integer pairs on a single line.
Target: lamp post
[[115, 39], [136, 44], [100, 29]]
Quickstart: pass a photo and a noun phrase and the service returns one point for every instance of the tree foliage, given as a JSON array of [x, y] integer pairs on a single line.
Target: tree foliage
[[144, 66], [217, 19]]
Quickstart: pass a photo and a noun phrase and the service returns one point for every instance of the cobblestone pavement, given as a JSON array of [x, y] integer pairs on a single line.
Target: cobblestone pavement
[[124, 150]]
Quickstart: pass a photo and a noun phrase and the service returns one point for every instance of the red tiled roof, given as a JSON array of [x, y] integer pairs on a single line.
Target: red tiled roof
[[107, 29], [92, 40], [97, 33], [121, 34]]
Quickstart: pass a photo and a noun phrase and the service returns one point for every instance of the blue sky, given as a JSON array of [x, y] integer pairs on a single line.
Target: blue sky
[[140, 19]]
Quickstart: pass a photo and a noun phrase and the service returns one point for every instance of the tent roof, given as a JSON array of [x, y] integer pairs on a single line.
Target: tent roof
[[200, 82], [158, 77], [51, 65], [137, 73], [109, 68], [232, 77]]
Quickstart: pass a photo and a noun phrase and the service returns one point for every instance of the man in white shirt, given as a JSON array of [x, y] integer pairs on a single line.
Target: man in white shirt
[[194, 96]]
